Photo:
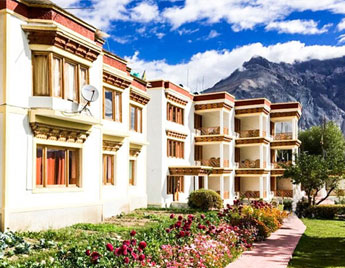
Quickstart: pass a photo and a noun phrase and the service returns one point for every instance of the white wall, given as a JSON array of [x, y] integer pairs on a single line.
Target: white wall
[[2, 60], [250, 184], [250, 152], [250, 123]]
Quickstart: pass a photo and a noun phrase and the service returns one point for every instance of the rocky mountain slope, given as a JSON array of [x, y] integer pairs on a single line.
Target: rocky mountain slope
[[319, 85]]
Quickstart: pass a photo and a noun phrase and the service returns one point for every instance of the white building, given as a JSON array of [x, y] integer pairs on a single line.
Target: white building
[[213, 141], [59, 166]]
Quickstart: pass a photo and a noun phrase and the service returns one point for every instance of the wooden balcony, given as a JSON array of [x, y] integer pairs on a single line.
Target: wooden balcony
[[214, 162], [204, 131], [283, 193], [283, 136], [280, 165], [249, 194], [251, 164], [252, 133]]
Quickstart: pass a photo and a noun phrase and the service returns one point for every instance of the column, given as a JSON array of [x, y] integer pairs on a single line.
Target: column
[[206, 182], [196, 182], [221, 186], [294, 129], [221, 121], [260, 125], [221, 154], [261, 156], [261, 187]]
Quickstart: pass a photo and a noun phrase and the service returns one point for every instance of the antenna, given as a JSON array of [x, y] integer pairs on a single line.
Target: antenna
[[90, 94]]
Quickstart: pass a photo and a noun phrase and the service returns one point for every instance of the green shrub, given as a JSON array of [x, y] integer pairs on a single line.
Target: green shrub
[[324, 211], [302, 205], [204, 199], [287, 205]]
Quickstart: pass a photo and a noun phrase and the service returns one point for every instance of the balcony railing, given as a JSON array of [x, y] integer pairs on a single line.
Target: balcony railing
[[283, 193], [252, 133], [283, 136], [213, 162], [211, 131], [280, 165], [251, 164], [249, 194]]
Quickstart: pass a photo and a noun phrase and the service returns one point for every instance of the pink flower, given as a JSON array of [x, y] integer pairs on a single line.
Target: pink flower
[[133, 233], [142, 245], [126, 242], [134, 255], [110, 247], [95, 256], [133, 242], [126, 260], [202, 216], [117, 251], [141, 257]]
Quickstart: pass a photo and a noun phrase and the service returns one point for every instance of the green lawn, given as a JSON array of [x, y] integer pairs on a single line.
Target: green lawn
[[322, 245]]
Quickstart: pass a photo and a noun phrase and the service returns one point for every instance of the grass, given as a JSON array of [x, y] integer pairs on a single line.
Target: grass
[[322, 245]]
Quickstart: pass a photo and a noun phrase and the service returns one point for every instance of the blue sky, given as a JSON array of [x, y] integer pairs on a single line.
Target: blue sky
[[208, 39]]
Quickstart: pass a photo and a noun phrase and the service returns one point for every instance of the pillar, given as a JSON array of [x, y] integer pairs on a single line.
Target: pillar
[[261, 187], [221, 121], [206, 182], [221, 186]]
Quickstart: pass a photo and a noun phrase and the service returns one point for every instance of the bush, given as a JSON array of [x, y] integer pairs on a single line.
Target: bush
[[302, 205], [204, 199], [324, 211], [287, 205]]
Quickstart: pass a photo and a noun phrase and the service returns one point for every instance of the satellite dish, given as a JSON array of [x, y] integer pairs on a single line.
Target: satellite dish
[[89, 93]]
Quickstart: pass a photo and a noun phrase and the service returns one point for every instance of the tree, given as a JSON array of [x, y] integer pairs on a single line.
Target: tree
[[325, 144], [310, 171]]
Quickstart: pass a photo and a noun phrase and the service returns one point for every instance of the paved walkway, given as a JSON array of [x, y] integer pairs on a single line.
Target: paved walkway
[[275, 251]]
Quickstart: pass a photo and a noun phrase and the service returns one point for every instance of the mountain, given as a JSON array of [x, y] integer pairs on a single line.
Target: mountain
[[319, 85]]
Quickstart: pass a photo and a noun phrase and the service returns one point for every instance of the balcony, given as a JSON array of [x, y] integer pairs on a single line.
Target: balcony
[[213, 162], [248, 194], [280, 165], [283, 193], [204, 131], [252, 133], [283, 136], [251, 164]]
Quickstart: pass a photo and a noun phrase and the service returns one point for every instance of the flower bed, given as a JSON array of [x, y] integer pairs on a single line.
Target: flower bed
[[212, 239], [203, 240]]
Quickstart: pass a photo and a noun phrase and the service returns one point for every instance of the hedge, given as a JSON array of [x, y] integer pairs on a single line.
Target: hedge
[[204, 199], [324, 211]]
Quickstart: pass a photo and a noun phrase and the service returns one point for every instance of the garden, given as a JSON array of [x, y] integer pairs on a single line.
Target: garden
[[147, 238]]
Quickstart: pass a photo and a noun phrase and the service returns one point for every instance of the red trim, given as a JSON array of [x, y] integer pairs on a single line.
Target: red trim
[[178, 89], [115, 63], [287, 105], [157, 84], [138, 85], [214, 96], [252, 102], [47, 14]]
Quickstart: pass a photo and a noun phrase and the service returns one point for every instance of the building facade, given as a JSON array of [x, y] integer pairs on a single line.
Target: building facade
[[213, 141], [59, 163]]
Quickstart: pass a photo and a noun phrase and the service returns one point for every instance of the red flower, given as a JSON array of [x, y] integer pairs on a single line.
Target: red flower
[[142, 245], [202, 216], [126, 242], [141, 257], [181, 234], [133, 233], [133, 242], [126, 260], [168, 230], [110, 247], [124, 252], [180, 218], [95, 256], [117, 251], [178, 224], [88, 252], [134, 255], [172, 216]]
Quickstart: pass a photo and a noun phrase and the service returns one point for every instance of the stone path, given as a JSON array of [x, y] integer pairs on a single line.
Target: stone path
[[276, 251]]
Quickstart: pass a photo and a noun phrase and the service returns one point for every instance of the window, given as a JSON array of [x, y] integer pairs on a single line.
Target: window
[[175, 184], [108, 169], [132, 163], [136, 119], [198, 153], [175, 149], [57, 76], [283, 127], [57, 166], [113, 105], [174, 114], [284, 155]]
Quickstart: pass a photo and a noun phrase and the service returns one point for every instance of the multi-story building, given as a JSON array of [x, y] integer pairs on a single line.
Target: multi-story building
[[60, 164], [212, 141]]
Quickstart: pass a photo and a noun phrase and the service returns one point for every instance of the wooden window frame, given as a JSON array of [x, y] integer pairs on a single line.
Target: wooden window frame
[[114, 93], [138, 126], [175, 114], [66, 171], [132, 181], [172, 181], [64, 60], [112, 182], [175, 149]]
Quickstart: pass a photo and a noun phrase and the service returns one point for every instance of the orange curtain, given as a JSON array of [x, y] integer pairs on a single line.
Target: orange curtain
[[39, 167]]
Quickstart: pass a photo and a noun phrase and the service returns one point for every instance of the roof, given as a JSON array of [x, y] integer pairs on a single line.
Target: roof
[[39, 2]]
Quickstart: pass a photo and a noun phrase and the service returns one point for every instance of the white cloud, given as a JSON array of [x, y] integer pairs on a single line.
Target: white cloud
[[185, 31], [215, 65], [297, 27], [341, 39], [212, 34], [245, 14], [144, 12], [341, 25]]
